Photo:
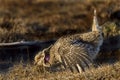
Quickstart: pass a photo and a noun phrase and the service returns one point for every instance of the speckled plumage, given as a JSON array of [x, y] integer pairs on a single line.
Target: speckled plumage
[[76, 52]]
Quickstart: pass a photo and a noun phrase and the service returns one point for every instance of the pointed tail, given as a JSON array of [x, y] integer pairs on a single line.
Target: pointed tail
[[95, 22]]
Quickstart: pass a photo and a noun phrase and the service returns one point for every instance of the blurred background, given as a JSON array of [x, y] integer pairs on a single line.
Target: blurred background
[[44, 20]]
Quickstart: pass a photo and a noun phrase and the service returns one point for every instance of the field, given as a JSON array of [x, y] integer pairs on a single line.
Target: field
[[30, 72], [44, 20]]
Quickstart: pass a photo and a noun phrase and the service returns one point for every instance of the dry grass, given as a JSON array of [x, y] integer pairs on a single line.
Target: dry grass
[[31, 72]]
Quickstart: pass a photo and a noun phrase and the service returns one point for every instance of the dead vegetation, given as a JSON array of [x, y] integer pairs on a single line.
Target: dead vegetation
[[30, 72]]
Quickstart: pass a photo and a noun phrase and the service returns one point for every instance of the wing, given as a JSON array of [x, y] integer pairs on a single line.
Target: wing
[[74, 51], [75, 56]]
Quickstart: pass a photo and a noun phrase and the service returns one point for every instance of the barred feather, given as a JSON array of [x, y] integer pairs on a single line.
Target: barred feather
[[76, 52]]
